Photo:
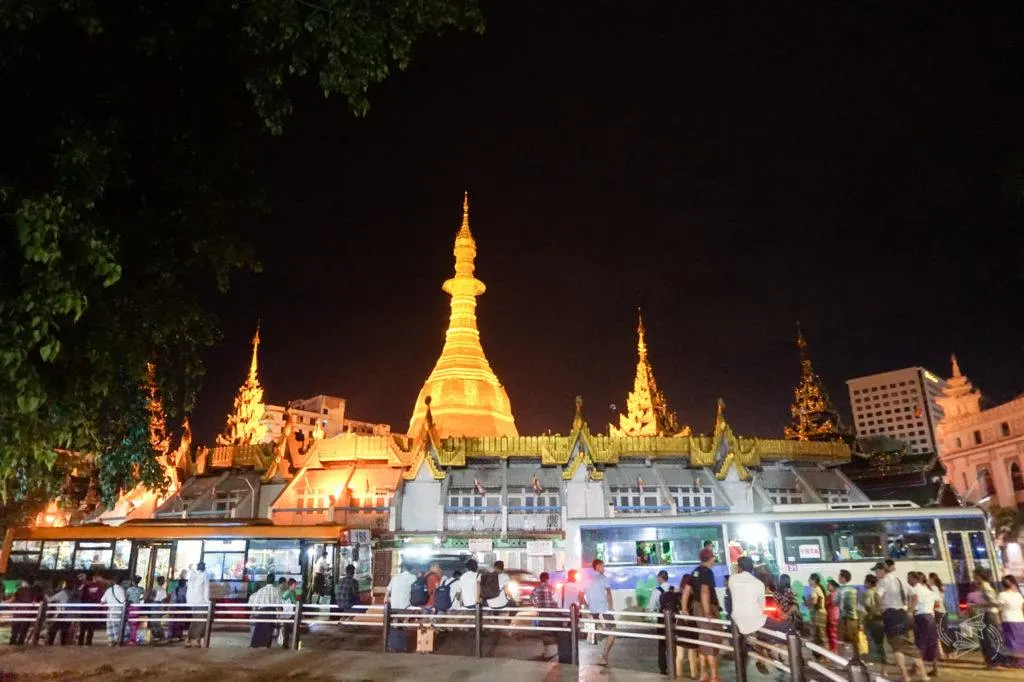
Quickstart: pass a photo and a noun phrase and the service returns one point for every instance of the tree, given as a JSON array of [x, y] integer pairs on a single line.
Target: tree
[[126, 169], [814, 416]]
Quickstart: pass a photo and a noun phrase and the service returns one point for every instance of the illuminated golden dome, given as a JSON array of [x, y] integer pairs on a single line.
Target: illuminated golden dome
[[466, 397]]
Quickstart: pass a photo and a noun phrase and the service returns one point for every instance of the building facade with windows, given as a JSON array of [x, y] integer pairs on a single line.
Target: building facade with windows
[[901, 405], [324, 410], [982, 449]]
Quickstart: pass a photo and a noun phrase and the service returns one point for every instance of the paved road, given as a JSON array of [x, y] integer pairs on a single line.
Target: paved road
[[329, 652]]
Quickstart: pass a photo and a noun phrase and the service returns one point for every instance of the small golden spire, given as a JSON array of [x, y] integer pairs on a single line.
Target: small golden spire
[[464, 230], [641, 343], [254, 363], [956, 365]]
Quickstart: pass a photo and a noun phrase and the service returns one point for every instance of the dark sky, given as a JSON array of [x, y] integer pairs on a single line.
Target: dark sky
[[731, 169]]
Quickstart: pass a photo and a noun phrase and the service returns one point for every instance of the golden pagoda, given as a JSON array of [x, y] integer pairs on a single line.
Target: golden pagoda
[[815, 418], [466, 397], [245, 425], [647, 412]]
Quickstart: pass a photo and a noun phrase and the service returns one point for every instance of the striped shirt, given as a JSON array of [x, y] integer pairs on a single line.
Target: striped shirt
[[544, 597], [268, 594]]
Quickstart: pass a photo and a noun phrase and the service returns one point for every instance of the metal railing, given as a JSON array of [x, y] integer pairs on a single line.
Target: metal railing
[[784, 651]]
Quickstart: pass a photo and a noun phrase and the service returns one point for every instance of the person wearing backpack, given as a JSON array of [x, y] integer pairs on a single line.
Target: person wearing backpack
[[434, 579], [443, 594], [494, 587], [419, 593]]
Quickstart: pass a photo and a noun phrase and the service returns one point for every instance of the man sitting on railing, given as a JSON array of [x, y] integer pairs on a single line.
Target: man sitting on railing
[[266, 603], [748, 596]]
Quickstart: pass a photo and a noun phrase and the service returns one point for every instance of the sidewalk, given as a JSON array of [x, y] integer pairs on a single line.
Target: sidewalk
[[228, 664]]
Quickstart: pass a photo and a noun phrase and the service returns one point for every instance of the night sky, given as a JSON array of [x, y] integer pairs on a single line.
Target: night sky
[[731, 169]]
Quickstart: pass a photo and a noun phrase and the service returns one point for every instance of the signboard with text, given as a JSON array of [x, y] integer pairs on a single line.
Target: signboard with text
[[810, 551], [540, 548], [481, 545]]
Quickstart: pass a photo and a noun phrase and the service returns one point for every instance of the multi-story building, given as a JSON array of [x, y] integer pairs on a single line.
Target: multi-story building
[[982, 449], [901, 404], [325, 410]]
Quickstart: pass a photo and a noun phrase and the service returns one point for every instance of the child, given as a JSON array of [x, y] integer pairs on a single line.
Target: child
[[832, 616]]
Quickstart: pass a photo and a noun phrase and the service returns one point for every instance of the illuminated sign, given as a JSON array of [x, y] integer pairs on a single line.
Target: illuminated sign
[[931, 377]]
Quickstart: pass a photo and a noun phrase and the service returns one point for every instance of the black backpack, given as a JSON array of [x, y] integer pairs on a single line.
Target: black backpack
[[671, 600], [443, 595], [420, 594], [489, 586]]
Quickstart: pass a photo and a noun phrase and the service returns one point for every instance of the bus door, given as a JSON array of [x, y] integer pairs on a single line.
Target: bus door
[[153, 559], [968, 552]]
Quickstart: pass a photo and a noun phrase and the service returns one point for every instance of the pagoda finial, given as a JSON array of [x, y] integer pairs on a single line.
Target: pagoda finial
[[464, 229], [956, 366], [641, 334], [254, 363]]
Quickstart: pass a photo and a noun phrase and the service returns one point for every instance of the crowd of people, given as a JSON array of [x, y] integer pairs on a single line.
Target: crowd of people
[[193, 588], [909, 615]]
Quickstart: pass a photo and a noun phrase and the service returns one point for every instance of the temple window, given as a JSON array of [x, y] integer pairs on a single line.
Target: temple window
[[1016, 477], [785, 495], [692, 497], [1004, 428], [977, 437], [985, 476]]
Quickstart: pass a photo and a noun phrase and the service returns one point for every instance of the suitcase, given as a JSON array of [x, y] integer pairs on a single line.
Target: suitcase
[[564, 647], [425, 640], [398, 640]]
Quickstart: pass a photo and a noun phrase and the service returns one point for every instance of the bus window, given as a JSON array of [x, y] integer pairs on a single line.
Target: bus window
[[280, 557], [94, 555], [834, 541], [912, 539], [58, 555], [122, 554], [25, 552], [189, 553]]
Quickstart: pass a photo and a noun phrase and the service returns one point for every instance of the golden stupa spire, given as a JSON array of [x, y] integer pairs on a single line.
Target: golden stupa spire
[[245, 424], [466, 397], [814, 416], [254, 362], [647, 412]]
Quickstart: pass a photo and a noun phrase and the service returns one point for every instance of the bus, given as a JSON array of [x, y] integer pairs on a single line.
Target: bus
[[800, 541], [237, 555]]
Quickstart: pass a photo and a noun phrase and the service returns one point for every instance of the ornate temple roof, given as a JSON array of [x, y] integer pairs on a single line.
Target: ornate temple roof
[[647, 412], [466, 397], [245, 424]]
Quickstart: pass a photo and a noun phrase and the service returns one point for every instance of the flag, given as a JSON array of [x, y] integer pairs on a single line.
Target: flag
[[640, 484], [537, 487], [479, 487], [367, 481]]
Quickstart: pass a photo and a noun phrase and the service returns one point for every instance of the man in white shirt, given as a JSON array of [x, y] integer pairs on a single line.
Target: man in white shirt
[[654, 602], [114, 598], [893, 597], [747, 594], [266, 603], [197, 594], [399, 593], [467, 589], [321, 576]]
